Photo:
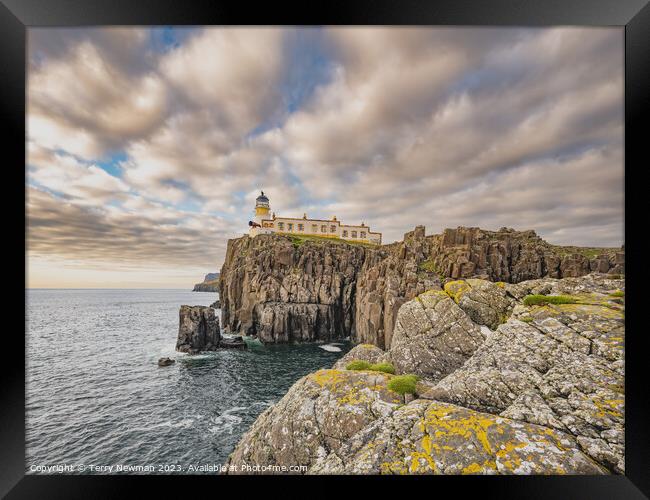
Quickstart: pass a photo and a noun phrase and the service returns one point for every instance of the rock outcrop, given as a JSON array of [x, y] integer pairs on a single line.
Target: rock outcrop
[[541, 392], [433, 336], [391, 276], [285, 289], [198, 329]]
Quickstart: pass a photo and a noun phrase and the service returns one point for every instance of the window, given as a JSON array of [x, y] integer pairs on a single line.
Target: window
[[301, 227], [314, 228], [363, 234], [323, 228], [332, 229], [354, 234], [345, 233], [280, 226], [290, 227]]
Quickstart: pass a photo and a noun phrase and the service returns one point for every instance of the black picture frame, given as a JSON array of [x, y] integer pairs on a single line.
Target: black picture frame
[[16, 16]]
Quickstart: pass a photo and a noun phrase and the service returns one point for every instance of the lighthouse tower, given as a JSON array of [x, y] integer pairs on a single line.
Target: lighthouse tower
[[262, 208]]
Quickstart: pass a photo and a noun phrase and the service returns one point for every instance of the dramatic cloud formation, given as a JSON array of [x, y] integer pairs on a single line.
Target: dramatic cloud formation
[[146, 147]]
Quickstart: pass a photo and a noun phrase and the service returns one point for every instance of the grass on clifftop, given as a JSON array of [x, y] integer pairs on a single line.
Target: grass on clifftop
[[589, 252], [299, 240], [364, 365], [540, 300], [403, 384]]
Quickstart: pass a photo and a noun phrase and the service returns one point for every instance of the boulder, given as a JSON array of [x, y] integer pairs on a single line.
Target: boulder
[[433, 336], [166, 361], [198, 329], [486, 303]]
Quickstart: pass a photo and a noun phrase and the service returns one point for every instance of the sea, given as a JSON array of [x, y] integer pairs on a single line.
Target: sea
[[98, 403]]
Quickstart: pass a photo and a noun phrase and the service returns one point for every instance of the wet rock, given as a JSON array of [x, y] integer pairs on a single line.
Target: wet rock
[[232, 343], [166, 361]]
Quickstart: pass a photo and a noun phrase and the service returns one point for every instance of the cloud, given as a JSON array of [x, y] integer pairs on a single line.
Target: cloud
[[395, 127], [137, 233], [78, 182]]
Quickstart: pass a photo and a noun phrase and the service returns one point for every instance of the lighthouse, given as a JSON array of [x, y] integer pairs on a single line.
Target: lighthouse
[[262, 208], [266, 222]]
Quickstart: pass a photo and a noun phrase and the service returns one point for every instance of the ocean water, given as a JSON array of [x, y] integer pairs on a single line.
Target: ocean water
[[95, 396]]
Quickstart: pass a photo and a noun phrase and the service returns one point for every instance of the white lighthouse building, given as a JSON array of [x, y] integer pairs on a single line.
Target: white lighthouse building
[[266, 222]]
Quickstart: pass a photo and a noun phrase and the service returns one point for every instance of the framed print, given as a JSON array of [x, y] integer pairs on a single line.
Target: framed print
[[331, 243]]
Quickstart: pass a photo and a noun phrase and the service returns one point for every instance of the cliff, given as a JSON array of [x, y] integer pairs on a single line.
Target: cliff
[[282, 290], [210, 283], [291, 289], [523, 378]]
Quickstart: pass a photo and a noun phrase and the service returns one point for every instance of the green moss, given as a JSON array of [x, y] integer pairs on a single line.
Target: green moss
[[382, 367], [526, 319], [539, 300], [617, 293], [358, 364], [403, 384], [430, 267]]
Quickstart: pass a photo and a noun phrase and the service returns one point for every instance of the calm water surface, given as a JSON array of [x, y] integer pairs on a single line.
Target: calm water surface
[[96, 396]]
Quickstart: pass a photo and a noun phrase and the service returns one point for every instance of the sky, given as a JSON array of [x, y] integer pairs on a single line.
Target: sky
[[146, 147]]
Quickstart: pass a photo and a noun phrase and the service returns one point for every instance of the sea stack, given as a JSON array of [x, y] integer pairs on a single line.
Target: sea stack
[[198, 329]]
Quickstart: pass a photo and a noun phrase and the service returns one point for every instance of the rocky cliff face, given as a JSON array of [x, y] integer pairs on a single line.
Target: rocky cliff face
[[281, 291], [284, 290], [509, 383]]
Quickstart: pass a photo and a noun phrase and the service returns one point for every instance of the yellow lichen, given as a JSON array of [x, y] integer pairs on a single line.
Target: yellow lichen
[[456, 289]]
